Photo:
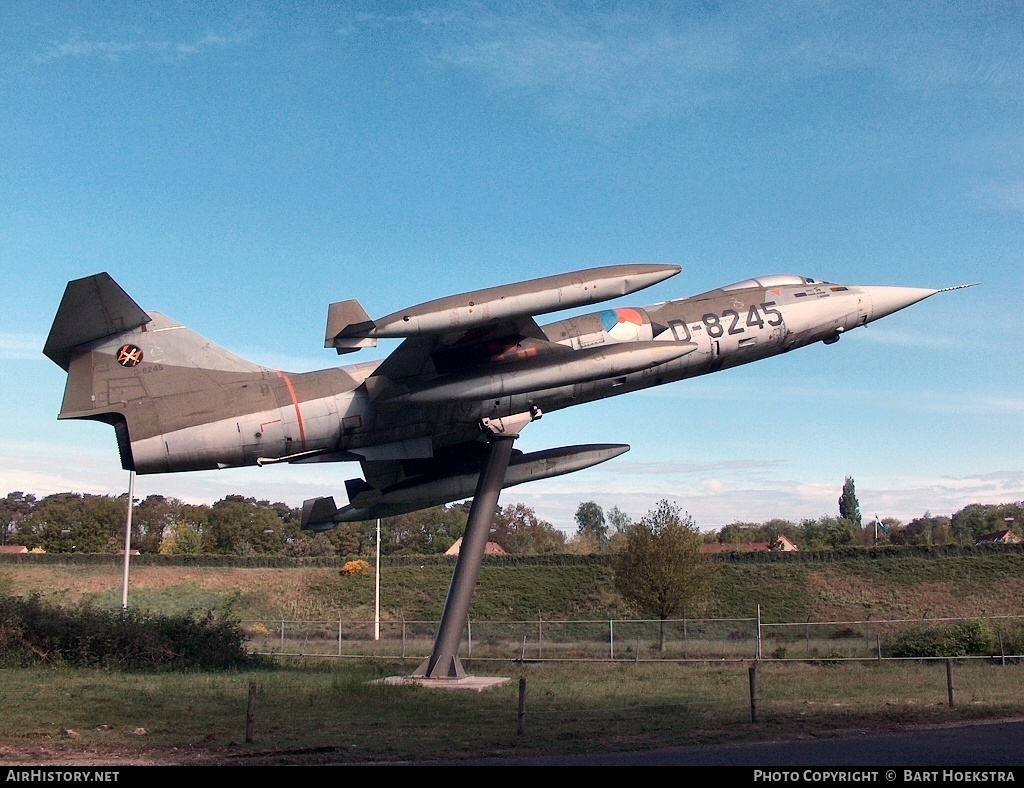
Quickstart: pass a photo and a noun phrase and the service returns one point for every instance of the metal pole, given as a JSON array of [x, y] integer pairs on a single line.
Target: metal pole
[[444, 660], [757, 649], [127, 539], [376, 596], [611, 638]]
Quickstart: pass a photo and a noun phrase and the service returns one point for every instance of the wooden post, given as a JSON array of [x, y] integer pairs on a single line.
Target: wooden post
[[949, 680], [522, 707], [753, 692], [250, 713]]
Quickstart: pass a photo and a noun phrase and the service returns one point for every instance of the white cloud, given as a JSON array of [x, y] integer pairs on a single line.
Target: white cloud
[[22, 346], [117, 50], [1001, 194]]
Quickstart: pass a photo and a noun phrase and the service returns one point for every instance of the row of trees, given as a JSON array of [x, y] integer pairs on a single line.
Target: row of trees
[[235, 525]]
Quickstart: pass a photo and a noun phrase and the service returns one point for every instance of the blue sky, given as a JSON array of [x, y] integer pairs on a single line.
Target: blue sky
[[240, 166]]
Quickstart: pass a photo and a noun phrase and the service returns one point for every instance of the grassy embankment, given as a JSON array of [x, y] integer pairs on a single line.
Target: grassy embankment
[[787, 590]]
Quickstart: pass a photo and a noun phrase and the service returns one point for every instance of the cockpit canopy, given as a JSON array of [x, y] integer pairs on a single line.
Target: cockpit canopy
[[775, 280]]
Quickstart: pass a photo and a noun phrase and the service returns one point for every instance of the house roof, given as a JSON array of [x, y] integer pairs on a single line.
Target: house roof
[[493, 548]]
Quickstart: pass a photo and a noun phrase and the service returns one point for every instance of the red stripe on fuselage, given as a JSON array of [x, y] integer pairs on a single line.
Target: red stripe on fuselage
[[295, 402]]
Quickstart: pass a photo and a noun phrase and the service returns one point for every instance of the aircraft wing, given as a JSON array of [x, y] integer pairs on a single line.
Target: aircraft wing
[[468, 335], [423, 357]]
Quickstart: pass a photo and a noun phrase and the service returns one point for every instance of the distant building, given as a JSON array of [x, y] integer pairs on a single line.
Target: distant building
[[493, 548], [1000, 537], [13, 548], [780, 545]]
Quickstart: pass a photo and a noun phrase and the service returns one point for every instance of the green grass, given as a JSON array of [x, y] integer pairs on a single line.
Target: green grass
[[331, 713]]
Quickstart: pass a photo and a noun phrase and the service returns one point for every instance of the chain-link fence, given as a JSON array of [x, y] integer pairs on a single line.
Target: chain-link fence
[[999, 637]]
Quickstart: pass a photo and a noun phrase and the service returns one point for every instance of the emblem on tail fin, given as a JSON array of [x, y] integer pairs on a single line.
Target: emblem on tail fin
[[129, 355]]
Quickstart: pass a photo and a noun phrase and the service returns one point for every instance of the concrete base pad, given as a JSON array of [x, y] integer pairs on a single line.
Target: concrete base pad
[[467, 684]]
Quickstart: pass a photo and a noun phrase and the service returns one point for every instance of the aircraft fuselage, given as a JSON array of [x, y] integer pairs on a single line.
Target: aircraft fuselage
[[333, 415]]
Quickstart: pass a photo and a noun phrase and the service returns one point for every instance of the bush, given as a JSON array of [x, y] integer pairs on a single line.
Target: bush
[[970, 638], [357, 567], [34, 631]]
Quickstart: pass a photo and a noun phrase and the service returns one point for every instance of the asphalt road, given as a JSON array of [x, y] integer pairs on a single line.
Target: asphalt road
[[975, 746]]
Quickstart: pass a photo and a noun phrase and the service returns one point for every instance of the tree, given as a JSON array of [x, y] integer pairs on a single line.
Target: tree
[[518, 529], [590, 521], [825, 533], [849, 509], [71, 522], [244, 526], [660, 568], [12, 508]]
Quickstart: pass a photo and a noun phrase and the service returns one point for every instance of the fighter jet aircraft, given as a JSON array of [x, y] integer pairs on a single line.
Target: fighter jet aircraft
[[470, 365], [435, 421]]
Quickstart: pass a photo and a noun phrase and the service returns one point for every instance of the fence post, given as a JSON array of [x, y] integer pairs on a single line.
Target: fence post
[[949, 680], [339, 633], [808, 636], [879, 638], [1002, 651], [540, 635], [250, 713], [403, 634], [282, 634], [611, 638], [753, 692], [469, 626], [522, 707]]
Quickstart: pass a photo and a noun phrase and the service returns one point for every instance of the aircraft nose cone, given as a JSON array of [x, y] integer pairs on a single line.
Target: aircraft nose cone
[[886, 300]]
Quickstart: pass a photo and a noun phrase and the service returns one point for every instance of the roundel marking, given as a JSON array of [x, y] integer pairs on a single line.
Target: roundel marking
[[621, 324], [129, 355]]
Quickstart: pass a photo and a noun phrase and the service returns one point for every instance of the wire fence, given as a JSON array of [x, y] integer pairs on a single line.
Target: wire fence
[[734, 639]]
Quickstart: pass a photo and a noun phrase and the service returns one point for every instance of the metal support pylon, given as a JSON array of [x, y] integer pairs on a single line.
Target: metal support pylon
[[443, 662]]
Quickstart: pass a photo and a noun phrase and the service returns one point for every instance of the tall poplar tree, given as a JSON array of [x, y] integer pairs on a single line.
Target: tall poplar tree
[[849, 509]]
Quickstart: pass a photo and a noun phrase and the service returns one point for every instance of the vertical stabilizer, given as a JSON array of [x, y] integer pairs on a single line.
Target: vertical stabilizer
[[92, 308]]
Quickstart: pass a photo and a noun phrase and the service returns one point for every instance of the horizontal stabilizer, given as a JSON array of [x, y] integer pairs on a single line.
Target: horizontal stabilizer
[[92, 308]]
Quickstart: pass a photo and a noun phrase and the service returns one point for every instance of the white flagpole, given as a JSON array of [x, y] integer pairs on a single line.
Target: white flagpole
[[128, 539], [376, 596]]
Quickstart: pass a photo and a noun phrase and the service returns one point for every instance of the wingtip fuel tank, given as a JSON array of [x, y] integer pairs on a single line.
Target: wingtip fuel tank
[[367, 502], [348, 324]]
